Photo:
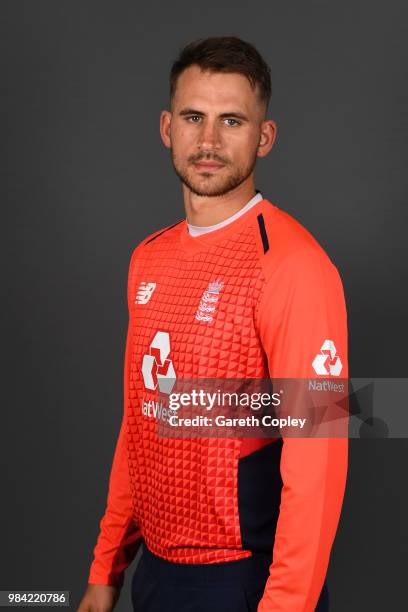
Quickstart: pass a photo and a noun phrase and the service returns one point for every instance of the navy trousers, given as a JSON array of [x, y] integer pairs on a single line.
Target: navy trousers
[[235, 586]]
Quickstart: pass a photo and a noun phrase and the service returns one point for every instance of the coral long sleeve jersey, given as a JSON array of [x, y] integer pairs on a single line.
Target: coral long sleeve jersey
[[256, 298]]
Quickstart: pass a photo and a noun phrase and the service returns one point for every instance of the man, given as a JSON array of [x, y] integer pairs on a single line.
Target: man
[[238, 289]]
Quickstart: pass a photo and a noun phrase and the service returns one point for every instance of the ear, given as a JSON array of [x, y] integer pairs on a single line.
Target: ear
[[267, 138], [165, 120]]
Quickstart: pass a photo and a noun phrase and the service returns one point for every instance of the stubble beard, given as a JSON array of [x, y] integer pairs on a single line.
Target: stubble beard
[[211, 185]]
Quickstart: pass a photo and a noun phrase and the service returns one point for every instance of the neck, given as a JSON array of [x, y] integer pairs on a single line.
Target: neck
[[204, 210]]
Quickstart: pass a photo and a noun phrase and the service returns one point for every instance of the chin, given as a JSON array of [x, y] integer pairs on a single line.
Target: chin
[[208, 189]]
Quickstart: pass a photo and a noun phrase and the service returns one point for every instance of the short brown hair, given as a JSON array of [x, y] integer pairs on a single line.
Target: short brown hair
[[225, 54]]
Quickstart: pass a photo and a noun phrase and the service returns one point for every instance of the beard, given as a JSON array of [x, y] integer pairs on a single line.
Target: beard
[[209, 184]]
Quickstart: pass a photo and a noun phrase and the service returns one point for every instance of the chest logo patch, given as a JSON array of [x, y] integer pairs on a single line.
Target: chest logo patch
[[144, 293], [157, 368], [208, 302]]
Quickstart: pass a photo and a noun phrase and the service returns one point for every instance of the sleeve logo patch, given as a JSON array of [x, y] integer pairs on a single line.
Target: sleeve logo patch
[[327, 361]]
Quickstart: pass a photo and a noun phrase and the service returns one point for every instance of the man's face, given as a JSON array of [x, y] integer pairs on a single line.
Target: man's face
[[214, 130]]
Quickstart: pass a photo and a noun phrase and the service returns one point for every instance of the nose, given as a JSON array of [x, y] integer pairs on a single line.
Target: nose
[[209, 137]]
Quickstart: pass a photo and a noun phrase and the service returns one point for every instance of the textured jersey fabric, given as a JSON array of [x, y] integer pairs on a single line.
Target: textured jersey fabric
[[279, 298]]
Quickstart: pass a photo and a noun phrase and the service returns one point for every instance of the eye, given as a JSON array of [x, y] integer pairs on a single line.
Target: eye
[[234, 120], [193, 117]]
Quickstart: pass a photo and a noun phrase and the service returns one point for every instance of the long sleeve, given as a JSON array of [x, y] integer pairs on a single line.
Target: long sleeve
[[302, 307], [119, 536]]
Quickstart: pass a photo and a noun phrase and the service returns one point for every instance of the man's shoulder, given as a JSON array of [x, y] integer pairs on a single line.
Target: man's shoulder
[[164, 230], [151, 240], [287, 242]]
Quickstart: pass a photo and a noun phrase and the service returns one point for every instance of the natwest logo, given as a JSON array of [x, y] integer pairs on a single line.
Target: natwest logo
[[327, 362], [157, 368]]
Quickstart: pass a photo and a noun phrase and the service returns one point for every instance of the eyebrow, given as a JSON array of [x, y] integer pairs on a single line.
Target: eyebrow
[[192, 111]]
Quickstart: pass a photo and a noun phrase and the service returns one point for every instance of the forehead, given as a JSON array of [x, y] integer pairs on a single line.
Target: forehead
[[196, 88]]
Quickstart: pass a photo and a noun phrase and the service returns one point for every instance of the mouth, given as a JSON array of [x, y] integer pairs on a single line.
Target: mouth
[[208, 166]]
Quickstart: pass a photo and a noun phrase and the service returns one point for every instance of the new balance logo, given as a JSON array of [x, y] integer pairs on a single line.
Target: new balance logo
[[144, 293], [209, 299], [327, 362]]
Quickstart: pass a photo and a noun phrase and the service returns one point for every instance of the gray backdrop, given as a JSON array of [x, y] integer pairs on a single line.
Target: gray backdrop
[[85, 177]]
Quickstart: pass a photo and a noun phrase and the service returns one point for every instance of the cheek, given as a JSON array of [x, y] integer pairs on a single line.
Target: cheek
[[242, 147], [182, 138]]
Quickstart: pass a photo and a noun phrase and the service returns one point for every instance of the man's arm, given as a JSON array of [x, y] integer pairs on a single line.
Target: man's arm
[[302, 306], [119, 536]]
